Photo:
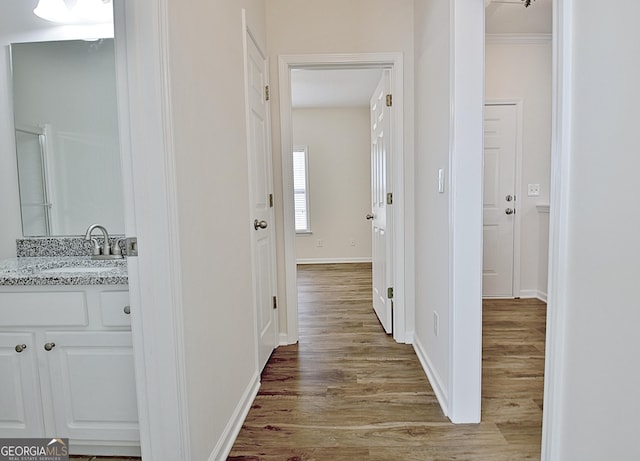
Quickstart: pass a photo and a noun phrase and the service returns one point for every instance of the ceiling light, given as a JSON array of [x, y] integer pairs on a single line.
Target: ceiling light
[[54, 11], [83, 11]]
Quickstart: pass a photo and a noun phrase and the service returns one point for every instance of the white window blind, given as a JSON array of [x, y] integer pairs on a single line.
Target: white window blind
[[300, 188]]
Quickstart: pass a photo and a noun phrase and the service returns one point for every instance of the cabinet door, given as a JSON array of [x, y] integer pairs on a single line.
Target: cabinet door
[[93, 385], [20, 402]]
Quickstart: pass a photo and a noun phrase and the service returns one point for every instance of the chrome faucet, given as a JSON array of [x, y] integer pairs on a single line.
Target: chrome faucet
[[104, 251]]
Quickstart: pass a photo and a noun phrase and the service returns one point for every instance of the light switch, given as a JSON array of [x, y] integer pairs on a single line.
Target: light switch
[[441, 180]]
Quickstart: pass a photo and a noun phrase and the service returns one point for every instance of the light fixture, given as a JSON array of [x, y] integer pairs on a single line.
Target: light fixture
[[82, 12], [54, 11]]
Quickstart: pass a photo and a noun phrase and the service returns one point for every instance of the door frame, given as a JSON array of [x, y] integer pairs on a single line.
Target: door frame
[[519, 192], [403, 323], [559, 208]]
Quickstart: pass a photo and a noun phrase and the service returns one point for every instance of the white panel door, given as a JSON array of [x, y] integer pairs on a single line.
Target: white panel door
[[262, 222], [500, 136], [93, 385], [380, 211], [20, 403]]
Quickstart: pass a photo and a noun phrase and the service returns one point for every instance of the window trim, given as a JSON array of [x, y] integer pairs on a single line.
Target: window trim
[[305, 150]]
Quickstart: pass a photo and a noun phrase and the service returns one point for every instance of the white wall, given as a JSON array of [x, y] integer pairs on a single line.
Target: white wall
[[520, 68], [432, 210], [449, 37], [207, 97], [338, 142], [335, 26], [597, 377]]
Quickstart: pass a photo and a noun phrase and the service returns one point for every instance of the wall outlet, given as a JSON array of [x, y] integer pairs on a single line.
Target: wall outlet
[[436, 323], [352, 242], [533, 190], [320, 243]]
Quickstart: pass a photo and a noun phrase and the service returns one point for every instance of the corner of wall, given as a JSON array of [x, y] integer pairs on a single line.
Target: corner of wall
[[231, 431], [438, 385]]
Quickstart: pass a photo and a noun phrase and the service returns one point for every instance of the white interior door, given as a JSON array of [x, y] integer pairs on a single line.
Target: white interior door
[[261, 201], [380, 210], [500, 137]]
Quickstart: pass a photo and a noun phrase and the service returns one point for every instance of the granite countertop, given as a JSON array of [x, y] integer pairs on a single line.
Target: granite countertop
[[64, 270]]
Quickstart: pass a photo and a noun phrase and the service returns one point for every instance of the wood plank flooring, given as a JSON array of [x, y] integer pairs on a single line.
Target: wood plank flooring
[[347, 391]]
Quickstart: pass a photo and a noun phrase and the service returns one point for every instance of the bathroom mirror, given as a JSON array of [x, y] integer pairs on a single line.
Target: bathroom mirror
[[67, 145]]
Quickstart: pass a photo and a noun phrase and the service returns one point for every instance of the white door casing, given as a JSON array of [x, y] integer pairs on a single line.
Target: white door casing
[[261, 199], [381, 232], [403, 312], [500, 201]]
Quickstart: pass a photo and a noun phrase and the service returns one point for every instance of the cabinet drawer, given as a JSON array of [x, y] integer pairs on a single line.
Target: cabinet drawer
[[112, 306], [67, 308]]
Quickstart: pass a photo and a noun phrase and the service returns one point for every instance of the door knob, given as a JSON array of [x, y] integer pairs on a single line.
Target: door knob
[[369, 216], [509, 211], [20, 347], [127, 310], [259, 224], [508, 198], [49, 346]]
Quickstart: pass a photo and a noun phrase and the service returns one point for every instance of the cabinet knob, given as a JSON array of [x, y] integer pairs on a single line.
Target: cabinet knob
[[20, 347], [127, 310], [49, 346]]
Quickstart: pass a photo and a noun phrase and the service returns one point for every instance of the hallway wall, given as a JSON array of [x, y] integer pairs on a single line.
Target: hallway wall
[[339, 146], [210, 142], [596, 377], [336, 26]]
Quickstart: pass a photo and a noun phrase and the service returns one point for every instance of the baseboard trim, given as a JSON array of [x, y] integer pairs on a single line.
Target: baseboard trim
[[283, 339], [432, 376], [225, 443], [534, 294], [332, 260]]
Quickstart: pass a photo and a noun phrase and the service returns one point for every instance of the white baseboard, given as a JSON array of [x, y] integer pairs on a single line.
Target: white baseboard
[[283, 339], [408, 337], [225, 443], [533, 294], [332, 260], [432, 375]]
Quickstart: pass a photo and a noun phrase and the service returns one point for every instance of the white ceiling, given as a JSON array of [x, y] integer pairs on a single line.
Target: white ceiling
[[333, 87], [511, 17], [19, 24]]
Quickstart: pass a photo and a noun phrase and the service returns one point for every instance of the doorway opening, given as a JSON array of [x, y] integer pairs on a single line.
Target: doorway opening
[[518, 140], [287, 66]]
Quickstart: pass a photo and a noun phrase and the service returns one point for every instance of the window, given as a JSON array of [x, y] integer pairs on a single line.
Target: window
[[301, 188]]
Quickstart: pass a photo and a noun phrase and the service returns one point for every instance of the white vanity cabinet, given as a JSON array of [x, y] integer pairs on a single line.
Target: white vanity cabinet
[[20, 403], [66, 367]]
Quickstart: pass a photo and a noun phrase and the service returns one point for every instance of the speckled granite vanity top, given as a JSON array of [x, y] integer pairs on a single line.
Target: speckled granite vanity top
[[63, 270]]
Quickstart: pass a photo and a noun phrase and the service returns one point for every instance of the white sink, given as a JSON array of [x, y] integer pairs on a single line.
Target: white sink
[[79, 270]]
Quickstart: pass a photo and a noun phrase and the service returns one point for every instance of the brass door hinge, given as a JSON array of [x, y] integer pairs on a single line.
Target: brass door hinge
[[390, 292], [267, 94], [270, 200], [390, 198], [389, 100], [275, 302]]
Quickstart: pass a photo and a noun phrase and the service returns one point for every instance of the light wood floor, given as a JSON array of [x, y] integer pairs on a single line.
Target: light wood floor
[[347, 391]]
